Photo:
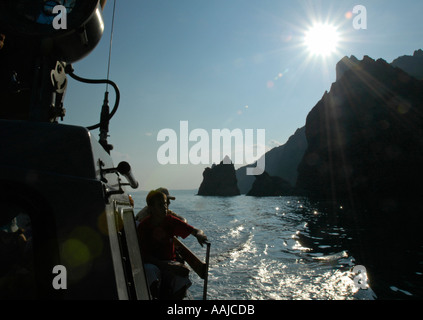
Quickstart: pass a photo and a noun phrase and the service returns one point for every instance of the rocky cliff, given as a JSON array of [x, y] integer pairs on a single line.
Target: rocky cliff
[[219, 180], [283, 161], [413, 65], [365, 152], [365, 136]]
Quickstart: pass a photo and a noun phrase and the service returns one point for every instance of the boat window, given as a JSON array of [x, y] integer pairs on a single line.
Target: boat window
[[17, 278]]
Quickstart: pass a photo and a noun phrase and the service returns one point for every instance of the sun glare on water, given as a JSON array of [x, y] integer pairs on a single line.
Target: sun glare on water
[[322, 39]]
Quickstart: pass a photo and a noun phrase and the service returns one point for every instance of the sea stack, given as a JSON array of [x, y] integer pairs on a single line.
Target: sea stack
[[219, 180]]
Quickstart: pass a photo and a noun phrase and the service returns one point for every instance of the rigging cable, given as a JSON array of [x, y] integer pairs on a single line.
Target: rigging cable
[[70, 71], [111, 43], [105, 110]]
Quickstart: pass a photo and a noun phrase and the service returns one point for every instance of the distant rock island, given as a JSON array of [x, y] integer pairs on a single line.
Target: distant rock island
[[219, 180], [270, 186]]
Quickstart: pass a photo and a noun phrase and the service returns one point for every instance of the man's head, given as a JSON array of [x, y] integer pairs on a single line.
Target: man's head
[[166, 192], [157, 202]]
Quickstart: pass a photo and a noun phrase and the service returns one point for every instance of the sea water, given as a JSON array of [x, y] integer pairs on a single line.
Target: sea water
[[256, 253]]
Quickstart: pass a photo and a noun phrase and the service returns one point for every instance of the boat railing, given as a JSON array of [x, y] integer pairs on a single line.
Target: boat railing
[[201, 268]]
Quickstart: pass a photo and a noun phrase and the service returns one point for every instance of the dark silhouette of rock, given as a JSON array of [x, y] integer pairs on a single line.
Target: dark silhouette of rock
[[413, 65], [281, 161], [365, 137], [344, 65], [365, 151], [270, 186], [245, 181], [219, 180]]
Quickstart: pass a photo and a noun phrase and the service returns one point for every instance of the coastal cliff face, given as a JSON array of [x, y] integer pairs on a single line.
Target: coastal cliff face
[[219, 180], [365, 137], [365, 152], [361, 141], [413, 65], [384, 86]]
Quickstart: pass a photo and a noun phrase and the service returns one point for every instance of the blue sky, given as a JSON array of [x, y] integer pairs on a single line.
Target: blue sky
[[235, 64]]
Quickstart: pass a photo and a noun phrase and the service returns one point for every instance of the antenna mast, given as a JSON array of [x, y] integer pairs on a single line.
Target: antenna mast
[[105, 110]]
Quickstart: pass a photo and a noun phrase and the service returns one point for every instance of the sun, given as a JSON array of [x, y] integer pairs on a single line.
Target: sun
[[322, 39]]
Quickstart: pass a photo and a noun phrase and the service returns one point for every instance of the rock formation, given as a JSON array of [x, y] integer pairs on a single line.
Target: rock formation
[[344, 65], [413, 65], [270, 186], [365, 152], [219, 180], [365, 136]]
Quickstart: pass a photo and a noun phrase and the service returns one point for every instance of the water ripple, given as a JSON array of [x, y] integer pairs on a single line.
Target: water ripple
[[256, 251]]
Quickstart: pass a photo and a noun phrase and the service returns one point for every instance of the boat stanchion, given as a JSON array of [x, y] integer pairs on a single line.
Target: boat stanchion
[[206, 276]]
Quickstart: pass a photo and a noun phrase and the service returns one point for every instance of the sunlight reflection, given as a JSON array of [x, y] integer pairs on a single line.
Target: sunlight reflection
[[235, 233], [299, 284]]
